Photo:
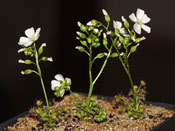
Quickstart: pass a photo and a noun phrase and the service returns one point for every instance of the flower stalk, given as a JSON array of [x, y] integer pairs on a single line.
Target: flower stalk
[[40, 75]]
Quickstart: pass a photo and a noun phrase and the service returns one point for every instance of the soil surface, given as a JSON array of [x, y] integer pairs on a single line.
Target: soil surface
[[115, 121]]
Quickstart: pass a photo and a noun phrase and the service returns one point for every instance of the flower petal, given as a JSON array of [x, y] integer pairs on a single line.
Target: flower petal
[[117, 24], [137, 28], [140, 14], [29, 32], [62, 92], [28, 43], [68, 80], [54, 84], [37, 34], [146, 28], [23, 39], [145, 19], [133, 17], [59, 77]]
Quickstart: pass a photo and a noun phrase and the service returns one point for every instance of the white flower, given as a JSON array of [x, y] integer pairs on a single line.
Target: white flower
[[118, 25], [58, 83], [140, 20], [31, 37]]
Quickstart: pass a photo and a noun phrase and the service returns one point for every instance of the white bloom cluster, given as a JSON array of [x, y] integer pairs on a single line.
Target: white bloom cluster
[[59, 82]]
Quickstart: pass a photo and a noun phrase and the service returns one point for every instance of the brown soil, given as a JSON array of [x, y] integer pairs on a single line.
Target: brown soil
[[115, 121]]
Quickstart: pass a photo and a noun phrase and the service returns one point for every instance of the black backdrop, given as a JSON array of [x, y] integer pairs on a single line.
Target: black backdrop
[[154, 61]]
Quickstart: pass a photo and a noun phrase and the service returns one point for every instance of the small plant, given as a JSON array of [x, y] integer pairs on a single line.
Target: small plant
[[90, 39], [29, 47], [48, 115], [126, 103], [86, 111], [125, 46], [123, 39]]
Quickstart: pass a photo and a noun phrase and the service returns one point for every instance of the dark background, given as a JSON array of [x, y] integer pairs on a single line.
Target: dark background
[[154, 60]]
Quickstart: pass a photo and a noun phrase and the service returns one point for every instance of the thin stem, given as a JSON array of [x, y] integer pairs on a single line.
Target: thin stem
[[73, 96], [126, 68], [103, 66], [90, 74], [40, 75]]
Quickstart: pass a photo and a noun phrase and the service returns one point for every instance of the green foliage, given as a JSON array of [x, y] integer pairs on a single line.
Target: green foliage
[[48, 115], [127, 104], [87, 110]]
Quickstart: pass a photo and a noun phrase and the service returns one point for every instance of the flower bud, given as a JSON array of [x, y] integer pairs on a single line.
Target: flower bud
[[20, 61], [84, 43], [20, 50], [126, 24], [82, 27], [133, 48], [28, 62], [104, 12], [26, 72], [142, 83], [39, 103], [82, 35], [139, 39], [95, 30], [50, 59], [89, 40], [80, 48], [114, 55]]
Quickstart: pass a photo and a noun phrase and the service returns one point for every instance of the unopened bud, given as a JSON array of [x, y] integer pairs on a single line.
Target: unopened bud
[[104, 12], [79, 24], [20, 50], [50, 59], [104, 35], [20, 61]]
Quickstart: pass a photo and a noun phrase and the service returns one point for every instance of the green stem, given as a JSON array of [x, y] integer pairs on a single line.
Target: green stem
[[40, 75], [127, 70], [90, 74], [73, 96], [103, 66]]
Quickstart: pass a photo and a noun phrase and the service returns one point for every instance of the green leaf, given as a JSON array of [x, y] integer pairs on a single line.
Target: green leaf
[[114, 55]]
